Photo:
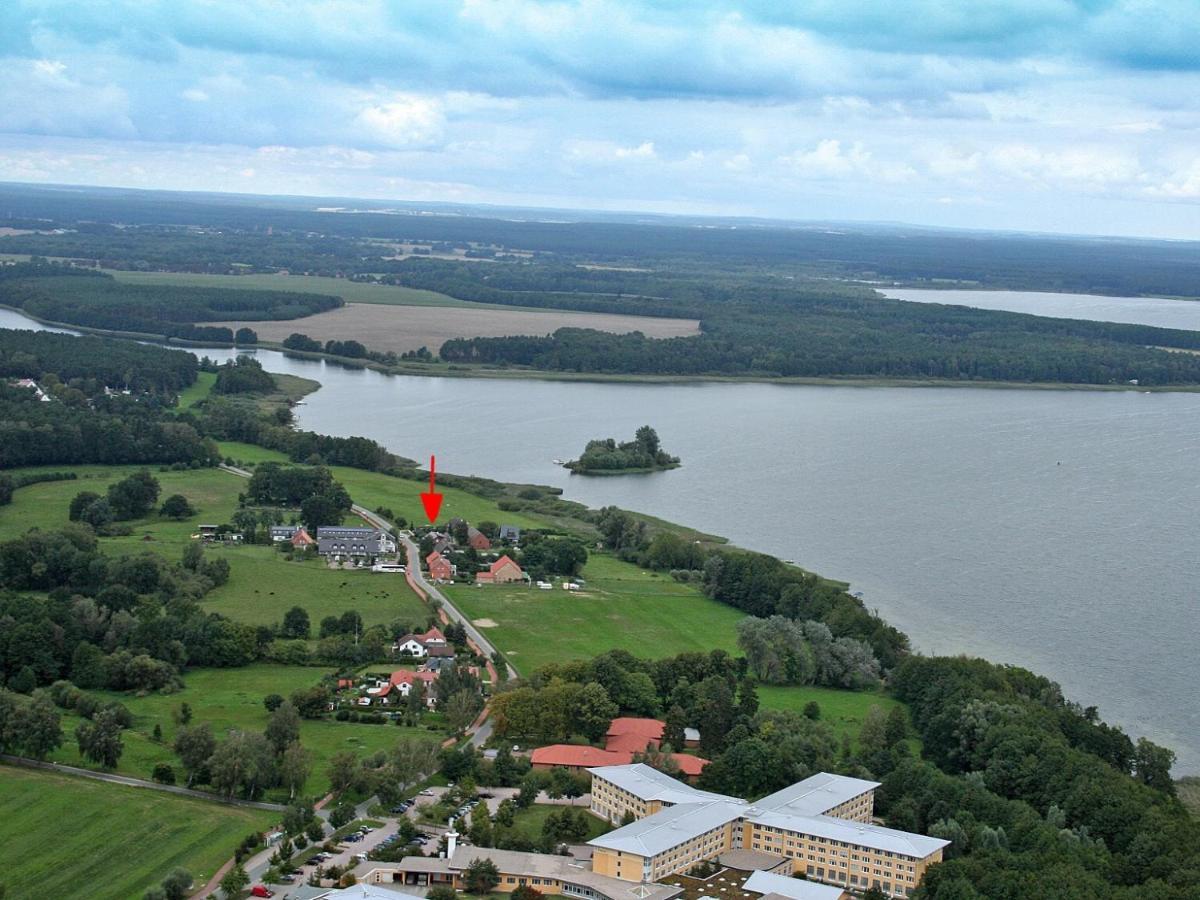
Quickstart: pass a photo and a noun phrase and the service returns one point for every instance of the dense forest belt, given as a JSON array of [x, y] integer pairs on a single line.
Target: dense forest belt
[[92, 299], [307, 240]]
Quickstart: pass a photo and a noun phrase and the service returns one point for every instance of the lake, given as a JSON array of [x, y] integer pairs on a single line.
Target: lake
[[1050, 529]]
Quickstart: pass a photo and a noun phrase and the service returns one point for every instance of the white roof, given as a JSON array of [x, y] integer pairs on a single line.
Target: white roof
[[786, 886], [647, 783], [815, 795], [670, 827], [363, 891], [691, 734], [916, 846]]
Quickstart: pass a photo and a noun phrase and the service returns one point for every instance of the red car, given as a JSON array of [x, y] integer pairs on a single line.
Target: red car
[[260, 891]]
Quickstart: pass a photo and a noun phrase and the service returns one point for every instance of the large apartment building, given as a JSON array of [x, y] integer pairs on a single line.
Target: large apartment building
[[822, 823]]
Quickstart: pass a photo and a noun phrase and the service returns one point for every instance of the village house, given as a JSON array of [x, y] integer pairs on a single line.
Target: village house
[[401, 683], [440, 568], [296, 535], [477, 539], [502, 571], [30, 384], [580, 758], [420, 644], [510, 533]]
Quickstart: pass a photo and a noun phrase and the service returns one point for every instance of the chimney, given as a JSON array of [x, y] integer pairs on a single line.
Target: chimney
[[451, 841]]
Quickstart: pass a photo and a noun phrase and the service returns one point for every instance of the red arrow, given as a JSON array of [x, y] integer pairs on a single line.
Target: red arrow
[[432, 500]]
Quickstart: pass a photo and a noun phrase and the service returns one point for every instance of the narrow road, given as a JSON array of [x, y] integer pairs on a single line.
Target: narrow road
[[128, 781], [414, 568]]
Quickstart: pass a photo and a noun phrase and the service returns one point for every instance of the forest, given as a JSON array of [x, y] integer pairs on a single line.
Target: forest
[[93, 363], [226, 231], [79, 296]]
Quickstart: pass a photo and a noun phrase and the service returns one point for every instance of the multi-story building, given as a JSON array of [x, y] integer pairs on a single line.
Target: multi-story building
[[353, 543], [822, 823]]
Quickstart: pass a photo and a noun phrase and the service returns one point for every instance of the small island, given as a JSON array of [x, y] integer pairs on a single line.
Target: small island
[[607, 457]]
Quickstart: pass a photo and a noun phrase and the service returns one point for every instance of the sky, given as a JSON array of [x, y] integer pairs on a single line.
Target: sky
[[1078, 116]]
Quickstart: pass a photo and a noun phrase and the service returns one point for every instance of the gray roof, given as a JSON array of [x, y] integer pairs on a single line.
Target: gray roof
[[876, 837], [793, 888], [648, 783], [563, 868], [815, 795], [751, 860], [670, 827]]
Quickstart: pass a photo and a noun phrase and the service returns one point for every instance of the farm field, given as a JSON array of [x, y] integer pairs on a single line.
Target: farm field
[[843, 711], [403, 328], [233, 699], [648, 614], [58, 832]]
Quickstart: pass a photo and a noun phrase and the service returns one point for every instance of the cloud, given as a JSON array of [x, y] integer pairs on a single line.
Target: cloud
[[405, 120]]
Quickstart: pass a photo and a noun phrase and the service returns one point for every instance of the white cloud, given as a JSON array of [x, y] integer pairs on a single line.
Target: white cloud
[[592, 151], [195, 95], [406, 120]]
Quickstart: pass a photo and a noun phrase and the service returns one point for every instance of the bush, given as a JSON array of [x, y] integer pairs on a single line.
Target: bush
[[163, 774]]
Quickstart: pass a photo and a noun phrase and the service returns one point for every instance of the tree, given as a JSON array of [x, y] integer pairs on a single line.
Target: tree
[[872, 736], [235, 881], [321, 509], [343, 766], [24, 681], [79, 503], [283, 727], [714, 713], [245, 336], [194, 746], [343, 814], [296, 817], [525, 892], [593, 711], [895, 729], [481, 876], [177, 884], [133, 497], [295, 765], [296, 624], [87, 665], [812, 710], [100, 739], [184, 714], [244, 760], [176, 507], [1152, 764], [442, 892], [273, 701], [313, 702], [36, 727], [461, 709]]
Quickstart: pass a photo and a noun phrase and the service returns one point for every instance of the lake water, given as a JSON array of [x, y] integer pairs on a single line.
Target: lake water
[[1051, 529], [1130, 310]]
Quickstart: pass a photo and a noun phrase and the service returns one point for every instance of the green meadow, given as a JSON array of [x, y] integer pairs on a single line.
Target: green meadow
[[233, 699], [647, 613], [71, 837]]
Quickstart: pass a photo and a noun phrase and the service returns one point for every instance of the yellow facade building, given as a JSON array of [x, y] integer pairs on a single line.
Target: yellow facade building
[[822, 823]]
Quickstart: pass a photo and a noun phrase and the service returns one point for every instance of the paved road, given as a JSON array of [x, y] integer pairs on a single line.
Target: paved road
[[414, 567], [126, 780]]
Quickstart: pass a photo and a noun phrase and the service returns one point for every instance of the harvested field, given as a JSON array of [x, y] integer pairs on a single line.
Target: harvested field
[[402, 328]]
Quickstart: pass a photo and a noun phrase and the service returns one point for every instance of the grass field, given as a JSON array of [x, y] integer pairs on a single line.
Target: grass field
[[72, 837], [192, 395], [528, 822], [263, 585], [648, 614], [233, 699], [350, 291], [843, 711]]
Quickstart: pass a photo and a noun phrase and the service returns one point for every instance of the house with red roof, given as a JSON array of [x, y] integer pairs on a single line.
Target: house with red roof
[[440, 568], [302, 540], [420, 645], [633, 734], [502, 571], [579, 758], [400, 684]]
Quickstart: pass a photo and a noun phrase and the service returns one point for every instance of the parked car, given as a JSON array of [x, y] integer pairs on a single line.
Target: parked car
[[261, 891]]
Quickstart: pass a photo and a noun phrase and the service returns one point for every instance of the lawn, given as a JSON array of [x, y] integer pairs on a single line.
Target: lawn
[[233, 699], [648, 614], [212, 493], [372, 489], [528, 822], [843, 711], [192, 395], [350, 291], [249, 454], [263, 585], [72, 837]]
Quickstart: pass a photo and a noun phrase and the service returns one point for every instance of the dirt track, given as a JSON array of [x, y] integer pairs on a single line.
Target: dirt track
[[401, 328]]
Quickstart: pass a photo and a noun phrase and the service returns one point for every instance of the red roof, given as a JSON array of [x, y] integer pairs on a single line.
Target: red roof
[[432, 557], [503, 562], [576, 755], [408, 676], [690, 766], [630, 743], [649, 728], [433, 634]]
